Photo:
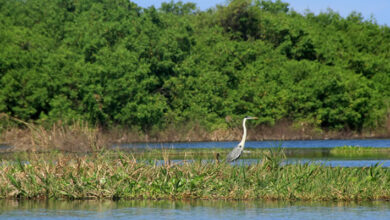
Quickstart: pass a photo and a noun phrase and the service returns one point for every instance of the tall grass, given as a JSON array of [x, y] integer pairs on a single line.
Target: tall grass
[[78, 136], [118, 175]]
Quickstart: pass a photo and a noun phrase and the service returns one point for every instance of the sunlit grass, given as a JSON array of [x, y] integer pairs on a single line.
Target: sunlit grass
[[356, 151], [119, 175]]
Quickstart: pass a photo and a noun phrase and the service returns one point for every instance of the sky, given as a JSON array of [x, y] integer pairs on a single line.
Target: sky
[[379, 9]]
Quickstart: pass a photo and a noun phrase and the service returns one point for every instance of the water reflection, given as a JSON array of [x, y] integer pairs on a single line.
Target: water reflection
[[195, 209], [266, 144]]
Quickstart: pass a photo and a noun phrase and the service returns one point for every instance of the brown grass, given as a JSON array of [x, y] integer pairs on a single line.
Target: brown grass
[[81, 137], [76, 137], [31, 137]]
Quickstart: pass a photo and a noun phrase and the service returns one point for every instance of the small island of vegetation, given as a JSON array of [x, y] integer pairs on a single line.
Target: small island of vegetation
[[117, 175]]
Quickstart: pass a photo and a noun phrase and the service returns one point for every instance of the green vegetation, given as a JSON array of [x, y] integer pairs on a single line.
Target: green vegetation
[[118, 175], [354, 151], [112, 63]]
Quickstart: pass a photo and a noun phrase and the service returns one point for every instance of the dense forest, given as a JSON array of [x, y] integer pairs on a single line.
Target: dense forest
[[113, 63]]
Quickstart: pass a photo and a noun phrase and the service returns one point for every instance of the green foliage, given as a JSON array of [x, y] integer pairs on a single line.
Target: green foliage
[[117, 175], [178, 8], [355, 151], [240, 17], [114, 63]]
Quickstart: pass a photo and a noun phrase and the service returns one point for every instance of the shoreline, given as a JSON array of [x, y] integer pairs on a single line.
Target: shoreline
[[81, 137]]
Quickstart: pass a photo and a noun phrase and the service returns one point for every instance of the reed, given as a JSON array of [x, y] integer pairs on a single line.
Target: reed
[[75, 137], [119, 175]]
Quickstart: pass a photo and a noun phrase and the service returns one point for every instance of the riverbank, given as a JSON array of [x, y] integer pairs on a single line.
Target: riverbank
[[80, 137], [118, 175]]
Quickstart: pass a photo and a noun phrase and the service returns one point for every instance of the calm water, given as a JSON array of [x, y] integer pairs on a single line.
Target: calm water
[[192, 210], [303, 151], [267, 144]]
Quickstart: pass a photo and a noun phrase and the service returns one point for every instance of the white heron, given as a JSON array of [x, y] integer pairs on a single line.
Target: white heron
[[237, 151]]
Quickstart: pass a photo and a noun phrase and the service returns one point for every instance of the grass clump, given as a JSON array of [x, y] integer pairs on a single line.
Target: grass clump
[[118, 175], [356, 151]]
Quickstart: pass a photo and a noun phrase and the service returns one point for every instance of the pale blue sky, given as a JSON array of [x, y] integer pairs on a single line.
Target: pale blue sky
[[379, 9]]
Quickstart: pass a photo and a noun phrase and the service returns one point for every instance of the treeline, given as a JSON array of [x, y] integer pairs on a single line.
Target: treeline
[[111, 62]]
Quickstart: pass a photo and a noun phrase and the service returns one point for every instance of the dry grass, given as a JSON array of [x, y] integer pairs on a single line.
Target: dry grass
[[75, 137], [79, 136]]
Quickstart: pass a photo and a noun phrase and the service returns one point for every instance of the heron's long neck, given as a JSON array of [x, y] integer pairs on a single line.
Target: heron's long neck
[[244, 135]]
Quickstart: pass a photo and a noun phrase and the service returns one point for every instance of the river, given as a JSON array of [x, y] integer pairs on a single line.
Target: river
[[303, 151], [144, 209], [266, 144]]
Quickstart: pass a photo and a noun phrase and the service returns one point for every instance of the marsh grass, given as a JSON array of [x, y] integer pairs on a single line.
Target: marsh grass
[[119, 175], [355, 151], [75, 137]]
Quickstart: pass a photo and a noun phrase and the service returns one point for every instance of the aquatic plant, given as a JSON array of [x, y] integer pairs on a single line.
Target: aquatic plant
[[357, 151], [118, 175]]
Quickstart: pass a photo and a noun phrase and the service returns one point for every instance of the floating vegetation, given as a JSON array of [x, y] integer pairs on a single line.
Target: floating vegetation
[[356, 151], [119, 175]]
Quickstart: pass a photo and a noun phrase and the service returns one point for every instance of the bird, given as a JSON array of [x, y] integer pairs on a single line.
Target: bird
[[236, 152]]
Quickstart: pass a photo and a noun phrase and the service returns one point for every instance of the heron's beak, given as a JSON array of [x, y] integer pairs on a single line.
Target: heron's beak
[[255, 118]]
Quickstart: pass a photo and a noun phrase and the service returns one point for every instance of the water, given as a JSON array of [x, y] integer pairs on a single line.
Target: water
[[266, 144], [192, 210], [303, 151], [4, 147]]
